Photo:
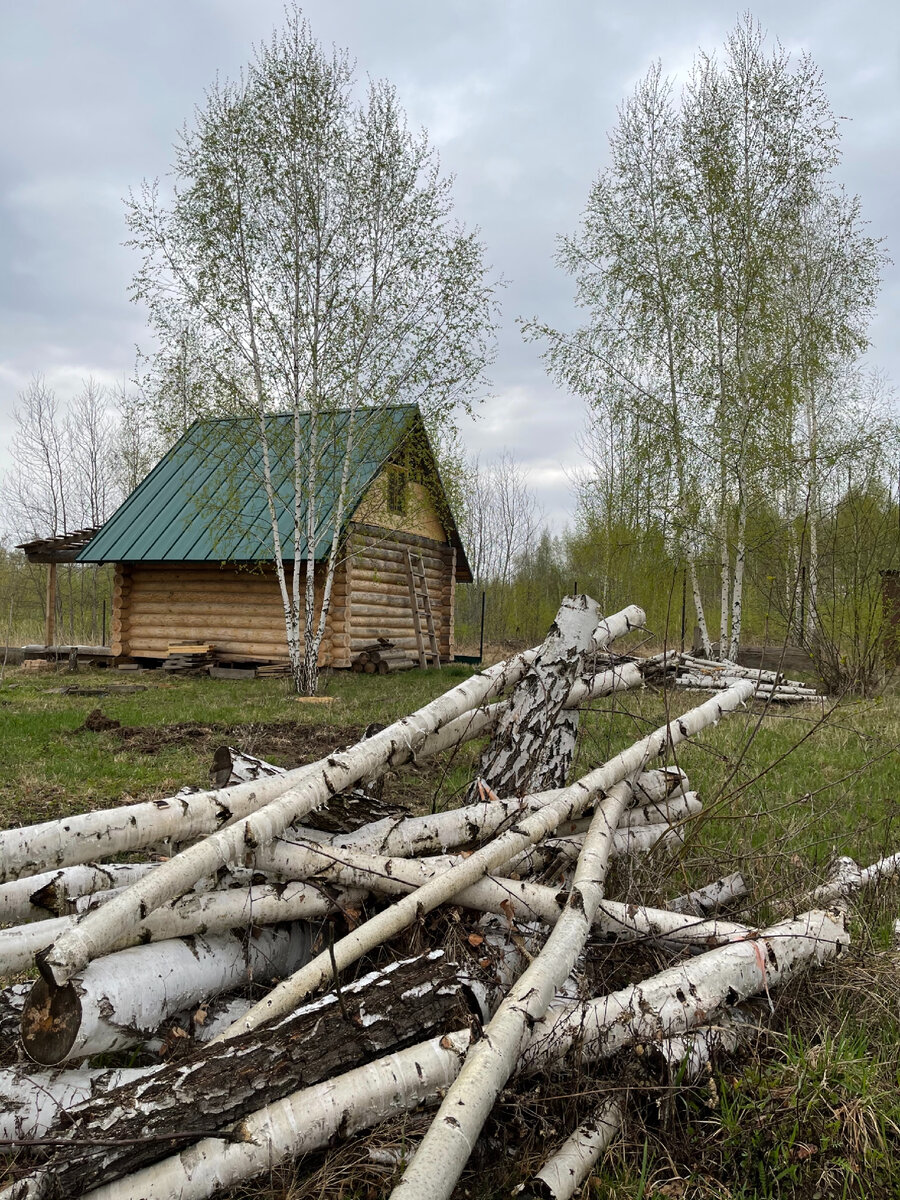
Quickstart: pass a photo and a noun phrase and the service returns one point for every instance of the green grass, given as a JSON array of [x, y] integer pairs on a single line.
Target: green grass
[[813, 1113]]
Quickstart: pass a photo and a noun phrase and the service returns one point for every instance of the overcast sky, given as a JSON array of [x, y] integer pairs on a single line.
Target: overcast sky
[[517, 96]]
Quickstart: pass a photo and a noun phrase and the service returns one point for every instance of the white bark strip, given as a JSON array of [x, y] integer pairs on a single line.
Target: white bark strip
[[312, 1117], [30, 1103], [571, 802], [123, 998], [446, 1147], [562, 1174]]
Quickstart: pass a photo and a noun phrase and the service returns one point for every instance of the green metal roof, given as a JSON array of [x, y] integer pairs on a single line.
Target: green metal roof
[[205, 500]]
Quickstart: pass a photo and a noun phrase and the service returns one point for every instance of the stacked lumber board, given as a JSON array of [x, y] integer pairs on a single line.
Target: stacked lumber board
[[188, 658], [382, 658]]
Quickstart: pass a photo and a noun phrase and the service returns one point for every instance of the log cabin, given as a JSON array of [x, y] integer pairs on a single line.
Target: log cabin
[[193, 543]]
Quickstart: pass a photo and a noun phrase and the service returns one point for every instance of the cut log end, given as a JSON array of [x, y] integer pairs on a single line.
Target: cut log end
[[51, 1019]]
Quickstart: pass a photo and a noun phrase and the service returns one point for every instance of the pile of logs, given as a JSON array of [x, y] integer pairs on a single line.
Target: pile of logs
[[702, 674], [222, 954], [382, 658]]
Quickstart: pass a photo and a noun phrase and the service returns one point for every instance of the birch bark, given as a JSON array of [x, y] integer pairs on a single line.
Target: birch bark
[[312, 1117], [563, 1174], [534, 742]]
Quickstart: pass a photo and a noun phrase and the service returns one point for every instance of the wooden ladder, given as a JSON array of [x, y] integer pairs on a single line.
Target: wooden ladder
[[421, 607]]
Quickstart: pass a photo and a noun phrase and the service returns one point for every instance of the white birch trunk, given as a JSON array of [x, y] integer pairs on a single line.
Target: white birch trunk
[[123, 998], [446, 1147], [302, 1122], [202, 913], [847, 878], [241, 767], [497, 894], [698, 608], [440, 832], [674, 1001], [36, 897], [76, 840], [737, 600], [565, 1171], [534, 742], [713, 896], [571, 802]]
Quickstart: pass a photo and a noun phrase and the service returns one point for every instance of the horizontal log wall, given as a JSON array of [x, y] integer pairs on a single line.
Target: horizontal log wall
[[379, 590], [239, 612]]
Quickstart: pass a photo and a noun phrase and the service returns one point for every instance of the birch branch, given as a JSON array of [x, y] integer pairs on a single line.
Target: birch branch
[[565, 1171]]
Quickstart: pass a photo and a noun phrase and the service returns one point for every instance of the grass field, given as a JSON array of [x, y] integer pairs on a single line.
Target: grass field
[[813, 1113]]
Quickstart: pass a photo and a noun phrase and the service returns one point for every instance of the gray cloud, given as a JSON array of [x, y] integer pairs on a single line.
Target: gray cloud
[[517, 97]]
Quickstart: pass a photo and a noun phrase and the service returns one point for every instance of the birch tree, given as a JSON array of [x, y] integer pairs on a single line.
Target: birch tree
[[308, 243], [690, 261]]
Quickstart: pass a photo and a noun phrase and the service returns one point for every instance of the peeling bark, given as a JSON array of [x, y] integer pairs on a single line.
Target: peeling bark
[[534, 742]]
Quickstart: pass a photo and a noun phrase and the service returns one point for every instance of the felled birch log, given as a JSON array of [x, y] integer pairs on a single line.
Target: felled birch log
[[200, 913], [571, 802], [565, 1171], [666, 812], [527, 901], [342, 1106], [36, 897], [712, 897], [120, 999], [446, 1146], [232, 766], [81, 838], [687, 1056], [376, 1014], [847, 878], [318, 783], [533, 745], [685, 995], [12, 1001]]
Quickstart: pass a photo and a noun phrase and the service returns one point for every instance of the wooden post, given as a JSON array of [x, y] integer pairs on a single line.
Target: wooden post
[[50, 618]]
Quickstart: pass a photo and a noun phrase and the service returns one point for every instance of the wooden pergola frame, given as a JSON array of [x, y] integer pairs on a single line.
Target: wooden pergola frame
[[64, 548]]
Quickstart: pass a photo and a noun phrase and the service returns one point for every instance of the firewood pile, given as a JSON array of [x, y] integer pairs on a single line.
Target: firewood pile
[[242, 957], [382, 658]]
